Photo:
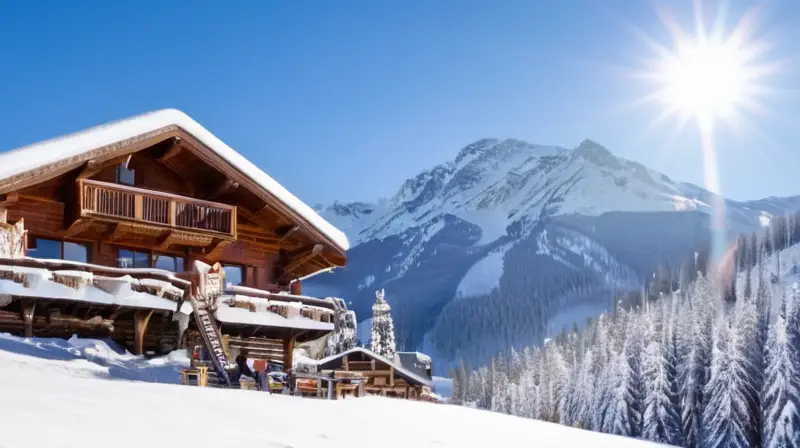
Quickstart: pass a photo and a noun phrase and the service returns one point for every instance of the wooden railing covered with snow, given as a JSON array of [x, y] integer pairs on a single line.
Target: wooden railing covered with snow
[[108, 200]]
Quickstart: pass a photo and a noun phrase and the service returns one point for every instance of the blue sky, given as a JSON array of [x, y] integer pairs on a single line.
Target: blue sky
[[345, 100]]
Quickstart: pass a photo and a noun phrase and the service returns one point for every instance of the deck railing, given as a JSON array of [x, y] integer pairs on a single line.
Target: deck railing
[[136, 204]]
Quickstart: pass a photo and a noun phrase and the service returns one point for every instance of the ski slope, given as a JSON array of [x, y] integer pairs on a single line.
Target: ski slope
[[80, 393]]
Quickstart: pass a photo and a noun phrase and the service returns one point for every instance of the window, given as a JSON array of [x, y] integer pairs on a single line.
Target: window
[[129, 258], [133, 258], [234, 275], [58, 250], [168, 262], [125, 176]]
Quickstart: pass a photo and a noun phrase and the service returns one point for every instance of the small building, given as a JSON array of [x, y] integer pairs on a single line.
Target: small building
[[381, 376], [100, 228], [416, 362]]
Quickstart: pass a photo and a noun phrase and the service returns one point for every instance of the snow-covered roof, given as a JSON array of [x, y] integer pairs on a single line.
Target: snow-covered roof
[[234, 315], [59, 149], [399, 368], [421, 357]]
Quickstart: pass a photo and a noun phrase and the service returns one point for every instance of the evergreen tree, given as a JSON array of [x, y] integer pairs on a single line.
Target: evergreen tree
[[383, 342], [726, 415], [661, 422], [781, 393]]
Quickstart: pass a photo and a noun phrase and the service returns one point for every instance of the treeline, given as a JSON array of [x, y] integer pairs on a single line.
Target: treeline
[[746, 253], [715, 365]]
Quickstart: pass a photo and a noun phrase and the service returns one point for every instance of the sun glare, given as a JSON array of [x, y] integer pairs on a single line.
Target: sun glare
[[708, 74], [703, 79]]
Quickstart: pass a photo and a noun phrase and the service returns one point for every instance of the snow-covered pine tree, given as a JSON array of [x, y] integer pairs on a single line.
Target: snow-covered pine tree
[[726, 418], [781, 394], [382, 342], [619, 415], [580, 402], [660, 421]]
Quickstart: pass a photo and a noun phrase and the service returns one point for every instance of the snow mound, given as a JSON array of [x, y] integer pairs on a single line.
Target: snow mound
[[91, 358], [52, 385]]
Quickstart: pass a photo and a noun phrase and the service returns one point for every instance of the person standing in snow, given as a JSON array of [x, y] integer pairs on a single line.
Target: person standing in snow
[[243, 368]]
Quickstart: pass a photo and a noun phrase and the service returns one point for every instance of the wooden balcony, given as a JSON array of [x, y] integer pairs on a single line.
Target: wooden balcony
[[115, 202]]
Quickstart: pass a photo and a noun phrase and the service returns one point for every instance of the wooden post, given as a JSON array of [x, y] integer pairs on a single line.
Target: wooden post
[[344, 363], [288, 351], [296, 288], [138, 206], [172, 213], [140, 320], [28, 308], [391, 376]]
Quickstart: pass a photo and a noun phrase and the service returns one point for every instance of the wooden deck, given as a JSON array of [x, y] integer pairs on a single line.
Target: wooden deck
[[108, 201]]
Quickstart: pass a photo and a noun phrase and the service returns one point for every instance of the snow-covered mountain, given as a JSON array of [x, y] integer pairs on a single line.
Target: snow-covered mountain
[[528, 238]]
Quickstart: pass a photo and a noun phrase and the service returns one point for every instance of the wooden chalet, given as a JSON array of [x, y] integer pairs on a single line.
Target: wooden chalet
[[100, 227], [381, 376]]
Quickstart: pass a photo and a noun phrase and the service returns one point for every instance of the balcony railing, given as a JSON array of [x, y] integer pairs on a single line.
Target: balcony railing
[[122, 202]]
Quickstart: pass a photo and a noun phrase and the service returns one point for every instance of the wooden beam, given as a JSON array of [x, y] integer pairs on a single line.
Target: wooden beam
[[10, 199], [140, 320], [288, 351], [166, 241], [115, 314], [173, 151], [261, 218], [78, 227], [391, 376], [115, 231], [224, 187], [301, 257], [214, 250], [93, 167], [286, 232]]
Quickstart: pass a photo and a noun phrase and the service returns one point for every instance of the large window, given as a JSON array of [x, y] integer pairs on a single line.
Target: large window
[[125, 176], [133, 258], [234, 274], [168, 262], [58, 250]]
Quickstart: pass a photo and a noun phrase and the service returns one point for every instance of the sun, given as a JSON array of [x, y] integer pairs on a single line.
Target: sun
[[703, 79], [711, 74]]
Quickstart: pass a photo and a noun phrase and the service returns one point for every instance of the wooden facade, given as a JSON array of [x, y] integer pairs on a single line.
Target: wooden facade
[[381, 376], [159, 198]]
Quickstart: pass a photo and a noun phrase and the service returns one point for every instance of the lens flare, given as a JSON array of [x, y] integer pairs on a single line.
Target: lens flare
[[709, 78]]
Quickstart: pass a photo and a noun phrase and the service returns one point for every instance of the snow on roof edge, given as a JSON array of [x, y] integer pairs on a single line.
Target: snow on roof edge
[[32, 156]]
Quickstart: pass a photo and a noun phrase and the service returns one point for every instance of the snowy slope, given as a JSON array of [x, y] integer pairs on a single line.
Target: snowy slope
[[784, 267], [62, 403]]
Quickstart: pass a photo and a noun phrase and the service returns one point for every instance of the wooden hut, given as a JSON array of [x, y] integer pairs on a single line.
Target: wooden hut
[[114, 216], [382, 376]]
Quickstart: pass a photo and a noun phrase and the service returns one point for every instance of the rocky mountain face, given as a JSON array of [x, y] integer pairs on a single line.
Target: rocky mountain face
[[512, 242]]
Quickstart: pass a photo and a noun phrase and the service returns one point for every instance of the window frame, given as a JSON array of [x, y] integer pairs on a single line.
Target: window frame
[[151, 254], [241, 267], [61, 243]]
